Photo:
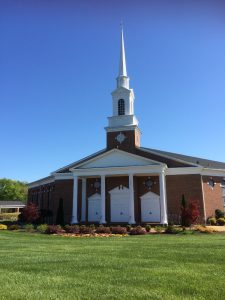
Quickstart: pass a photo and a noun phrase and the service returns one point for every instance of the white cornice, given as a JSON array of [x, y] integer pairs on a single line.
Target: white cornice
[[184, 171], [213, 172], [63, 176]]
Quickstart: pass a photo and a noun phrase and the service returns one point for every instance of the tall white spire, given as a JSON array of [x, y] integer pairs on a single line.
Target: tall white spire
[[122, 66], [122, 79]]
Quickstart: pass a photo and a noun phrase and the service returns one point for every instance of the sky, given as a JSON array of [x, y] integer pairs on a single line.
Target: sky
[[58, 66]]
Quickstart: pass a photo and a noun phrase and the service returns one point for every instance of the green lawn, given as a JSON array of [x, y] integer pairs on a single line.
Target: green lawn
[[35, 266]]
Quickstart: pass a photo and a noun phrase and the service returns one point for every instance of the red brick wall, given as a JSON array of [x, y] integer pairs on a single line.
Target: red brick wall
[[213, 197], [132, 140], [188, 185]]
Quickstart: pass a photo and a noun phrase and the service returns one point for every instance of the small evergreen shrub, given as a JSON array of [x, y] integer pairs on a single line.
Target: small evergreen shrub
[[72, 229], [42, 228], [212, 221], [14, 227], [221, 221], [102, 229], [148, 228], [138, 231], [85, 229], [219, 214], [29, 227], [159, 229], [54, 229], [119, 230], [129, 227], [171, 229], [3, 227]]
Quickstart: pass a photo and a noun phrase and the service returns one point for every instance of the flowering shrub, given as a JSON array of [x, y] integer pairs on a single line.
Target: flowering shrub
[[221, 221], [138, 231], [54, 229], [102, 229], [42, 228], [119, 230], [85, 229], [129, 227], [72, 229], [3, 227]]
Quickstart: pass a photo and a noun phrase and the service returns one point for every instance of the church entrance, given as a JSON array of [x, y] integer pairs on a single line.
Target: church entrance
[[94, 208], [119, 204], [150, 208]]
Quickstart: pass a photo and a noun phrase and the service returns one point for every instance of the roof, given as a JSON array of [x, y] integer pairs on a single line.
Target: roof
[[189, 159], [12, 203]]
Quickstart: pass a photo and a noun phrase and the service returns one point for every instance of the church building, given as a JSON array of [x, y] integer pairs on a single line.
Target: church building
[[125, 182]]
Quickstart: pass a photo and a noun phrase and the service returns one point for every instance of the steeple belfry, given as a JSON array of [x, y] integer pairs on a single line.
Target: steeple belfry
[[122, 130], [122, 79]]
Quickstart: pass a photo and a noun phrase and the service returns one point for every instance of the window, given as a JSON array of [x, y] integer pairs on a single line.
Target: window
[[121, 107]]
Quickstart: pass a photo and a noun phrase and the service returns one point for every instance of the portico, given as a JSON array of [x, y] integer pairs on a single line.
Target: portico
[[121, 198]]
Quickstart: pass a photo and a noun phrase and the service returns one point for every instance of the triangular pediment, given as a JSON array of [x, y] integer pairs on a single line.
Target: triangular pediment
[[116, 158]]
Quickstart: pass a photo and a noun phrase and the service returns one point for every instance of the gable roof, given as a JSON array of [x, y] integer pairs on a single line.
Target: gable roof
[[206, 163], [115, 158]]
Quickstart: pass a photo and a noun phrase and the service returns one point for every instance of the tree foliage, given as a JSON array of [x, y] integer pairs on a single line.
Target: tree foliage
[[30, 213], [189, 212], [13, 190]]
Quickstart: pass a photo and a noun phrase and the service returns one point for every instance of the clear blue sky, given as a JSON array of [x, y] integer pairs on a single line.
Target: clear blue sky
[[59, 61]]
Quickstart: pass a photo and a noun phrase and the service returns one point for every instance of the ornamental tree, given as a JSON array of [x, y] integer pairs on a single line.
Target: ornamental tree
[[30, 213], [189, 212]]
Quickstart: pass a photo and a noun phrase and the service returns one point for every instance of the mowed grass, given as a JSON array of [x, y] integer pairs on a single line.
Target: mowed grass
[[35, 266]]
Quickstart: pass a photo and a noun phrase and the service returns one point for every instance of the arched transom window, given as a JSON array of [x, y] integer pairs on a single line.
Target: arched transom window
[[121, 107]]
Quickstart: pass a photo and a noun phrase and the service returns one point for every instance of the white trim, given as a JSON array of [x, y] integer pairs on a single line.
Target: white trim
[[63, 176], [213, 172], [184, 171], [117, 151], [145, 170], [12, 206]]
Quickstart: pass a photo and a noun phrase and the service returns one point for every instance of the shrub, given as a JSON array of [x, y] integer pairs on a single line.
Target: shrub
[[138, 231], [54, 229], [3, 227], [159, 229], [72, 229], [190, 213], [42, 228], [102, 229], [29, 227], [92, 226], [86, 230], [212, 221], [219, 214], [14, 227], [148, 228], [129, 227], [30, 213], [119, 230], [173, 229], [221, 221]]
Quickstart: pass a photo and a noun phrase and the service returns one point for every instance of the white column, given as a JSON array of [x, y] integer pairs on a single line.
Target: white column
[[162, 184], [102, 221], [83, 205], [131, 200], [75, 192]]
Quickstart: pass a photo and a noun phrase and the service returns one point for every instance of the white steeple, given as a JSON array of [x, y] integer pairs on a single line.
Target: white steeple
[[122, 79], [122, 98]]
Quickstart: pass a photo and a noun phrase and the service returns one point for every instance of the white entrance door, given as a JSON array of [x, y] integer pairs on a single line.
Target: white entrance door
[[94, 208], [150, 208], [119, 202]]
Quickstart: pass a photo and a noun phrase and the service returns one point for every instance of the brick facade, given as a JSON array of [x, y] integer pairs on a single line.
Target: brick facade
[[213, 196]]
